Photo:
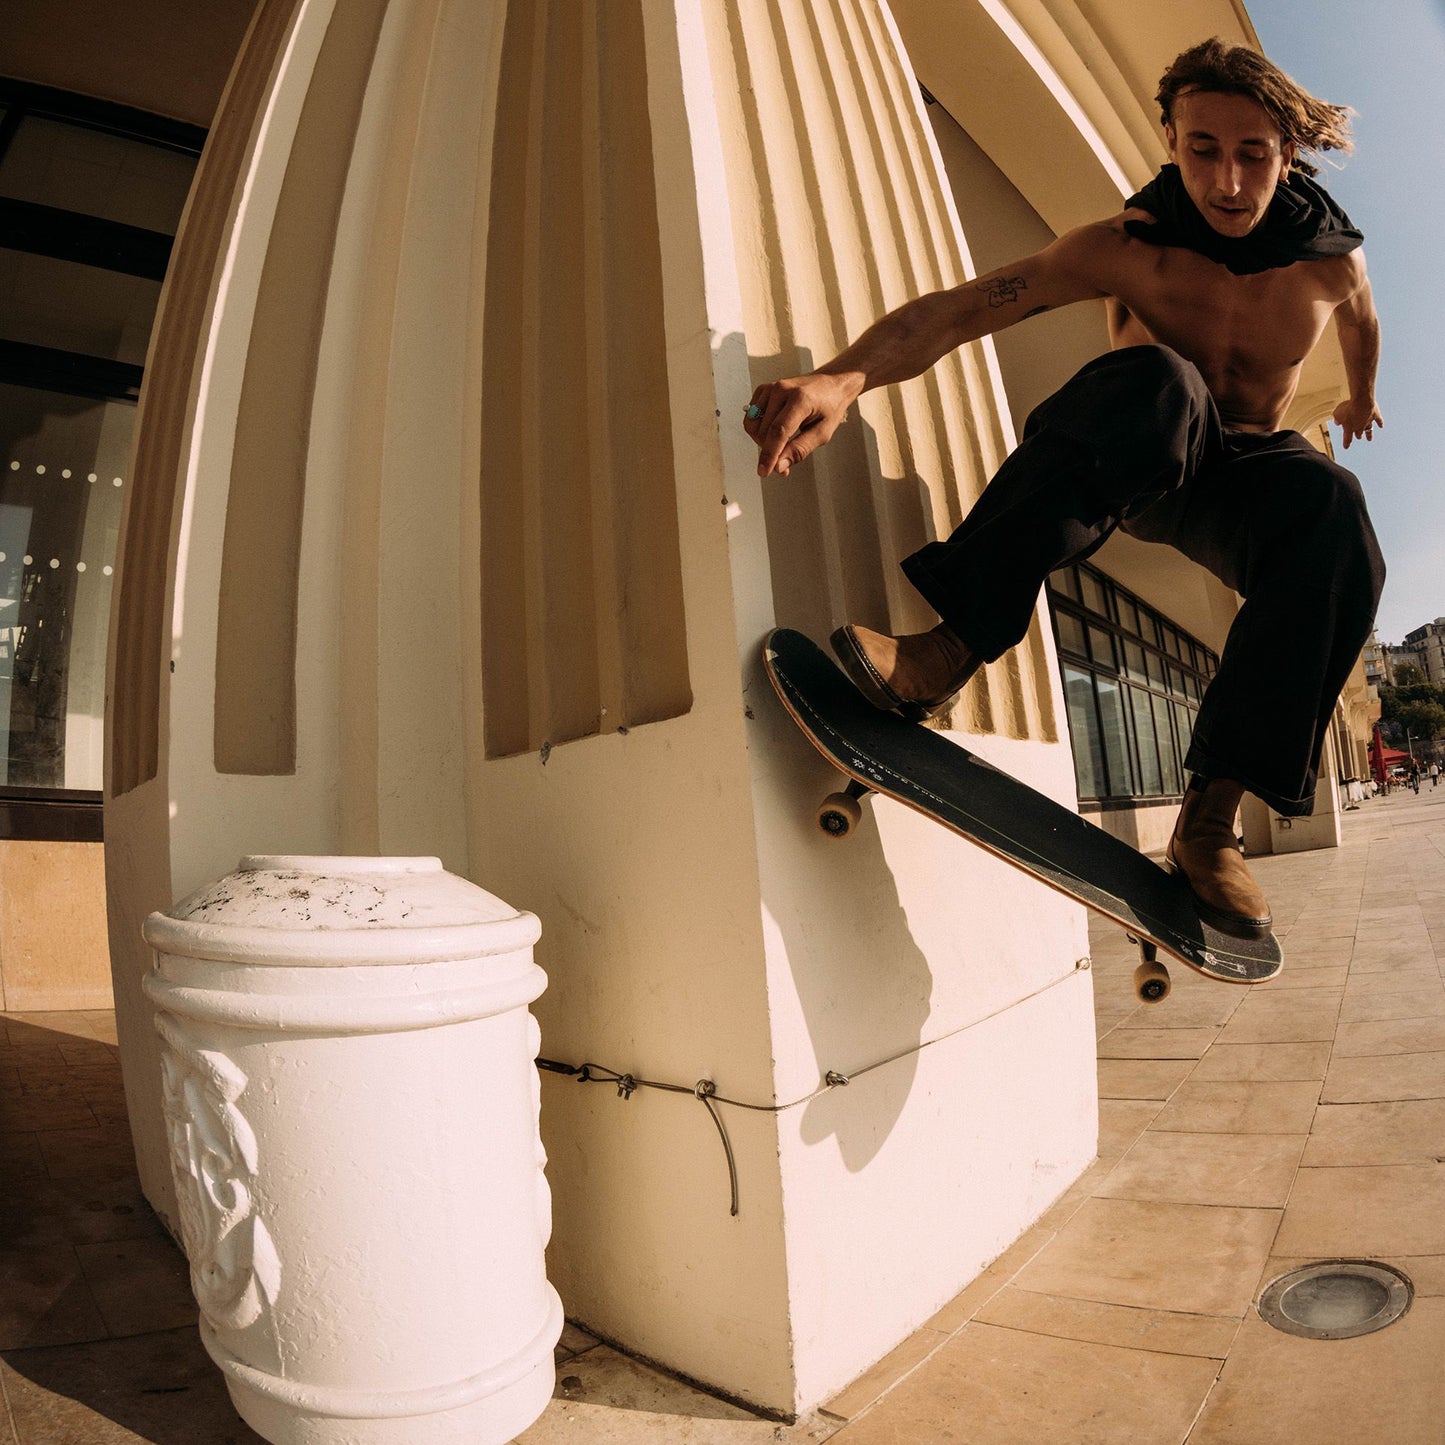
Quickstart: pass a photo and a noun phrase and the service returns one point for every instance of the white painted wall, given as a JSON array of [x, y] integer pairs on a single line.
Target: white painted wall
[[897, 1189], [908, 944], [695, 924]]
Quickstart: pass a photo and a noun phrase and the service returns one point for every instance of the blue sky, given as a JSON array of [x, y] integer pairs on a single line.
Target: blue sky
[[1387, 60]]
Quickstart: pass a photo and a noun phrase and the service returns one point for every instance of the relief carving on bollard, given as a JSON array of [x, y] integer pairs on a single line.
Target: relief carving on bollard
[[235, 1270]]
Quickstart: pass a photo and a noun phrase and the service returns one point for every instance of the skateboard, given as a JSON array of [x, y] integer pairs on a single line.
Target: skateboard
[[880, 752]]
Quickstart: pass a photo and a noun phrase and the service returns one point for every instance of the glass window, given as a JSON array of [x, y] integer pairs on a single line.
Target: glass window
[[1095, 598], [1116, 738], [1101, 648], [1132, 704], [75, 308], [1066, 580], [1183, 727], [1141, 709], [1084, 730], [1071, 633], [86, 220], [62, 466], [53, 162], [1170, 758]]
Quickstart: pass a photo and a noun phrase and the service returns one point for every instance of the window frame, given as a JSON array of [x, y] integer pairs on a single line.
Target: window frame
[[1177, 668], [34, 814]]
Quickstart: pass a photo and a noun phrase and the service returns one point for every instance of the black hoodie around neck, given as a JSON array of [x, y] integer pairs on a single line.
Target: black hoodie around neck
[[1303, 223]]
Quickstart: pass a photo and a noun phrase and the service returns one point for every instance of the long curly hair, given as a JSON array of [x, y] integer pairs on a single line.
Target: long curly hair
[[1214, 65]]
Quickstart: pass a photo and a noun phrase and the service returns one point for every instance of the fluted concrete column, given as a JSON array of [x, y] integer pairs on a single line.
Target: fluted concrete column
[[838, 216], [697, 928], [285, 667], [809, 141], [446, 539]]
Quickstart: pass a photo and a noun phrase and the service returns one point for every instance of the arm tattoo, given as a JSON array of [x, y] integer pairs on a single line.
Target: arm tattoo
[[1002, 290], [1037, 311]]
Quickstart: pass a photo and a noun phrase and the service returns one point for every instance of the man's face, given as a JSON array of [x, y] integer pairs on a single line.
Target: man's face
[[1231, 156]]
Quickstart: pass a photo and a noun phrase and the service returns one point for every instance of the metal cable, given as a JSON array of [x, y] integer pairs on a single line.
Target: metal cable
[[705, 1090]]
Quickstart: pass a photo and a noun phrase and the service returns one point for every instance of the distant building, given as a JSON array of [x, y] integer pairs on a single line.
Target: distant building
[[1427, 644], [1393, 658], [1374, 658]]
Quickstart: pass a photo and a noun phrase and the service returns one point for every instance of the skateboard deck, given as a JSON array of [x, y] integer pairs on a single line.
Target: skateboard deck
[[882, 753]]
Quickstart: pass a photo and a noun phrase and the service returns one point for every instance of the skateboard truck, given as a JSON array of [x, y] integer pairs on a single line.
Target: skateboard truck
[[839, 813], [1151, 978]]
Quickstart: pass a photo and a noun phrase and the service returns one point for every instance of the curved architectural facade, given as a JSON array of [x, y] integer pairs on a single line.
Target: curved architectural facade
[[445, 539]]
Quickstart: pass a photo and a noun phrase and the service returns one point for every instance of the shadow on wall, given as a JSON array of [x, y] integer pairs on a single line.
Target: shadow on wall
[[836, 535], [864, 986]]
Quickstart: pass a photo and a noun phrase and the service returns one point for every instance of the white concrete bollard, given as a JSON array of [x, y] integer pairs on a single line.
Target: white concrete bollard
[[352, 1106]]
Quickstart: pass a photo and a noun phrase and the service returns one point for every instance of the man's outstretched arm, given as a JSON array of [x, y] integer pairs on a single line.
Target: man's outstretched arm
[[791, 418], [1358, 327]]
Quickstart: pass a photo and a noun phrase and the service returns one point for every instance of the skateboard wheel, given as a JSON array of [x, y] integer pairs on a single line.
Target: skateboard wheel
[[1151, 982], [838, 815]]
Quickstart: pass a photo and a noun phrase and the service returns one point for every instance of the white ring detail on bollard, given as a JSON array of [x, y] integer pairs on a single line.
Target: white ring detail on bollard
[[344, 1015], [391, 1404], [199, 938]]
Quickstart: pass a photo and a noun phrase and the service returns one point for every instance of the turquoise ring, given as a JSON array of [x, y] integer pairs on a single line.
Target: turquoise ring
[[753, 412]]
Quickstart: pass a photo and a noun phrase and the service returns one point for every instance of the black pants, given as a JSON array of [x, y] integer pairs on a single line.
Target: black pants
[[1135, 441]]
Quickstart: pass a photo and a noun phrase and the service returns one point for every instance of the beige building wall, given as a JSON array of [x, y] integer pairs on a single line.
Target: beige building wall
[[1355, 719], [53, 952]]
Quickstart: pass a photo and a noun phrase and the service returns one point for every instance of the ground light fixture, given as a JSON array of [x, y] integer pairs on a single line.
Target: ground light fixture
[[1336, 1299]]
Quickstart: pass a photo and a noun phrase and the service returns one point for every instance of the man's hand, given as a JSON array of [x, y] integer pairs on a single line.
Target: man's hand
[[1357, 419], [790, 419]]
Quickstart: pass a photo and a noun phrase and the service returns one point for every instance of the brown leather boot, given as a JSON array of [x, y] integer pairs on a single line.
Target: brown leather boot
[[916, 675], [1206, 852]]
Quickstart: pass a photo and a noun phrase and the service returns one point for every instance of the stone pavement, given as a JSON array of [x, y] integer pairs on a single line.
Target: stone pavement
[[1242, 1132]]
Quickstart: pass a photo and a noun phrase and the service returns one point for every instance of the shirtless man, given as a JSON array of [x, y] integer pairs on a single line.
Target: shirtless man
[[1219, 278]]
